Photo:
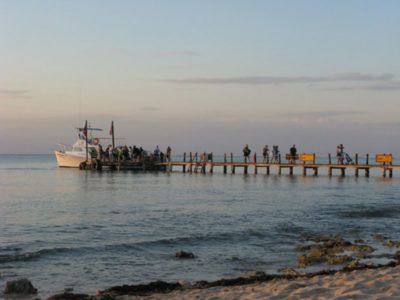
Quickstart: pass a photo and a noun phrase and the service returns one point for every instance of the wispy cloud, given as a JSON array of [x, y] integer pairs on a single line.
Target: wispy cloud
[[179, 53], [13, 93], [277, 80], [381, 86]]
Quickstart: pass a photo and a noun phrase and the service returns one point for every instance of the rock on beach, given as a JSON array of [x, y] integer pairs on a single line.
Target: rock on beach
[[21, 286]]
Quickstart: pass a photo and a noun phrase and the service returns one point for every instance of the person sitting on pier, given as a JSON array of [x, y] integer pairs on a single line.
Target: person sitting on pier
[[246, 153], [293, 154], [266, 154]]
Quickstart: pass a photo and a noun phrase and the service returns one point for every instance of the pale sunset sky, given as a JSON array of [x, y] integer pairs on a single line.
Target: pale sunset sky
[[202, 75]]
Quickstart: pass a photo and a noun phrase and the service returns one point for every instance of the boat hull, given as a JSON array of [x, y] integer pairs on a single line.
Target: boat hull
[[66, 160]]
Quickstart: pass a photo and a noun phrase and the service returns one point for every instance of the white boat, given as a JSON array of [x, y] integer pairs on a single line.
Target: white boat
[[74, 157]]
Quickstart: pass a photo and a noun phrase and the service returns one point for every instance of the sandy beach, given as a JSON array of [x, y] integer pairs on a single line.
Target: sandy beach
[[381, 283]]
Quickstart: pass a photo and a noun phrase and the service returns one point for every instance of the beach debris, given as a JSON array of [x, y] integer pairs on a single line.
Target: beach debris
[[20, 286], [291, 272], [254, 274], [184, 254], [140, 289], [70, 296]]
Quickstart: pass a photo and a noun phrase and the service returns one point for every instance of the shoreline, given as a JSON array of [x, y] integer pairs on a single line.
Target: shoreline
[[367, 281]]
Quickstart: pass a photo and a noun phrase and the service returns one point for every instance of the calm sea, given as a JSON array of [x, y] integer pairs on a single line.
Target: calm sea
[[65, 228]]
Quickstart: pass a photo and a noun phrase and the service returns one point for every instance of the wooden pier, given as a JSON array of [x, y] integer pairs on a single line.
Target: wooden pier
[[308, 163], [204, 163]]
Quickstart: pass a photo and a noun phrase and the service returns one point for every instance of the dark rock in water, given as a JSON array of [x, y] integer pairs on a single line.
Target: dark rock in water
[[391, 243], [338, 259], [70, 296], [359, 241], [353, 265], [379, 237], [184, 254], [141, 289], [20, 286]]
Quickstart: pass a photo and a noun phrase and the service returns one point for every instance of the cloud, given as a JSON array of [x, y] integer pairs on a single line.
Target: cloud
[[149, 108], [381, 86], [322, 114], [179, 53], [12, 93], [278, 80]]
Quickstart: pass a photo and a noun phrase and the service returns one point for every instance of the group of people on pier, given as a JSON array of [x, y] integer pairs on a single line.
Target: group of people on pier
[[130, 153], [275, 157]]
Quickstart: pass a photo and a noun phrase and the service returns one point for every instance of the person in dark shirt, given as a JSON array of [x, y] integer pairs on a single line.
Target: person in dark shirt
[[293, 154]]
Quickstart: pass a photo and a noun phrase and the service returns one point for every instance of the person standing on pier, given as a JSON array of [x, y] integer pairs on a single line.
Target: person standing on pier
[[266, 154], [168, 154], [340, 154], [246, 153], [293, 154]]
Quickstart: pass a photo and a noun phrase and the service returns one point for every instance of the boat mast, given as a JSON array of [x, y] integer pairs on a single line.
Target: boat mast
[[85, 132]]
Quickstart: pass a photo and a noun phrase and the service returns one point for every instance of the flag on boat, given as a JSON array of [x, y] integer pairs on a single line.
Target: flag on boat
[[112, 128], [85, 129]]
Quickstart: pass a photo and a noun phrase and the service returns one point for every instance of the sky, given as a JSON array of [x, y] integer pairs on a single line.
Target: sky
[[202, 75]]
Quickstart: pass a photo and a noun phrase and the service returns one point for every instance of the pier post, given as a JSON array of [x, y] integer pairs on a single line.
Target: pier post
[[290, 170], [384, 172], [330, 170], [356, 160], [314, 156], [212, 163], [232, 166], [304, 171], [255, 163], [268, 171], [279, 170], [367, 172], [225, 161], [203, 168], [316, 171], [343, 170], [184, 165], [391, 172], [245, 169], [356, 172], [367, 159], [191, 162]]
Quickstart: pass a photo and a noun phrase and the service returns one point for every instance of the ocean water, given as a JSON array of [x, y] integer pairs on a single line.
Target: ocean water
[[65, 228]]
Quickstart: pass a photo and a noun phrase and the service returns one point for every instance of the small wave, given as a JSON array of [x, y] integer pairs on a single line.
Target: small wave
[[371, 212], [28, 256]]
